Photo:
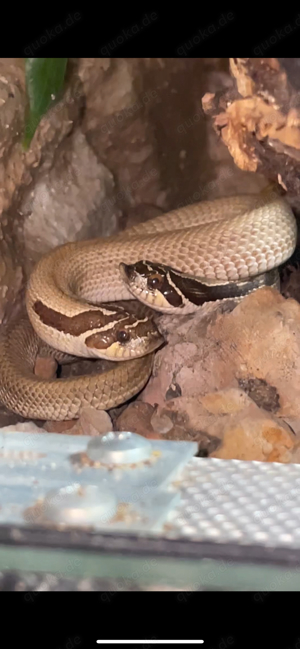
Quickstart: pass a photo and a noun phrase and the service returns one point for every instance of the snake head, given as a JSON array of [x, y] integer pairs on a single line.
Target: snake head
[[168, 290], [158, 286], [127, 336], [107, 331]]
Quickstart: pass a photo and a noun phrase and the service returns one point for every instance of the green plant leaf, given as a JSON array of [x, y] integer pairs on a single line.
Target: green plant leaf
[[44, 84]]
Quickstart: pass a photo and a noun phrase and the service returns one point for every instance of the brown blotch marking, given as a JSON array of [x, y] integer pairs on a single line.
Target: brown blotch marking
[[100, 340], [198, 293], [170, 294], [77, 324], [189, 287]]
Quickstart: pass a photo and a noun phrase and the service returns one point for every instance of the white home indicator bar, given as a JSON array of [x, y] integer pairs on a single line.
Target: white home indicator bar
[[150, 641]]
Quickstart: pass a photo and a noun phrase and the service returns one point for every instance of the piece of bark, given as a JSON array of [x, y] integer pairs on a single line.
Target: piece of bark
[[259, 120]]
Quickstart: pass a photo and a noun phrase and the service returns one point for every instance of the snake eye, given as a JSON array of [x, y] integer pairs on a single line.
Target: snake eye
[[155, 280], [123, 336]]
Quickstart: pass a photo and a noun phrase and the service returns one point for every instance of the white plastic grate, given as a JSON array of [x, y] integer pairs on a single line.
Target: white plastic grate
[[240, 502]]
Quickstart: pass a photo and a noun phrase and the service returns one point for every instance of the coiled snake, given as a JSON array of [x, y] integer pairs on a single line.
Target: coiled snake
[[229, 245]]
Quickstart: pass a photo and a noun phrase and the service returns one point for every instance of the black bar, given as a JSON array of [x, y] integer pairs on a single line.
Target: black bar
[[130, 545]]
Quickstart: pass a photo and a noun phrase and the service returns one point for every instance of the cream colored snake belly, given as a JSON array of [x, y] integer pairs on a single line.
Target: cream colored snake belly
[[222, 241]]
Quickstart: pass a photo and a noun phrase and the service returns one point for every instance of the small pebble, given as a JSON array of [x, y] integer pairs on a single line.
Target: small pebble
[[161, 424], [45, 367], [94, 422]]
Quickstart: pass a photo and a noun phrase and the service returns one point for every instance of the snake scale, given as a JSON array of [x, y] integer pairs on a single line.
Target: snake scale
[[220, 242]]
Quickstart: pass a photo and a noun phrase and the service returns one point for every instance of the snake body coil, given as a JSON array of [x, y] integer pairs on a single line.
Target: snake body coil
[[221, 241]]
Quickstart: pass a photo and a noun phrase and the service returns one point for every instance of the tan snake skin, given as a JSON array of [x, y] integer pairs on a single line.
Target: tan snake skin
[[61, 399], [225, 240]]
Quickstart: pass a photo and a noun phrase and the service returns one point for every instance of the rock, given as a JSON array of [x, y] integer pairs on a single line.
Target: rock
[[263, 394], [141, 214], [290, 275], [229, 378], [229, 425], [22, 427], [184, 418], [254, 346], [137, 419], [117, 123], [294, 425], [225, 402], [61, 426], [202, 419], [92, 422], [70, 201], [19, 168], [161, 424], [295, 456], [8, 418], [256, 437]]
